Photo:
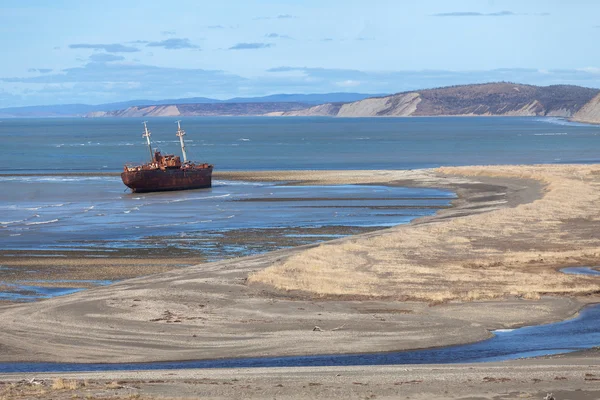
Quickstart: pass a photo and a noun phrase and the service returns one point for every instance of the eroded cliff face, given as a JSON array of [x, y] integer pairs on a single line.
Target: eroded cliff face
[[590, 112], [322, 110], [149, 111], [400, 105]]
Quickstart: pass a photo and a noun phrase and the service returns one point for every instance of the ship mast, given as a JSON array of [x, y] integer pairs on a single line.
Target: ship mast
[[180, 133], [146, 134]]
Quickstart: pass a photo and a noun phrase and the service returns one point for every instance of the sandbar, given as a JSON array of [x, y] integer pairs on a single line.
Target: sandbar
[[491, 261]]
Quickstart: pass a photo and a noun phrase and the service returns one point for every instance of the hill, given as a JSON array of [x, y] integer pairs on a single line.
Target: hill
[[501, 98], [67, 110], [208, 109], [305, 98]]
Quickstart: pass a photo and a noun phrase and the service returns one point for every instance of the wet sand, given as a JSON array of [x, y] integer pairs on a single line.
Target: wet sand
[[98, 266], [71, 257], [210, 310], [219, 315]]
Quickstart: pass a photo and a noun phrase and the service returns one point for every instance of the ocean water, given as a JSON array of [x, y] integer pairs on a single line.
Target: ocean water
[[97, 214], [263, 143], [68, 211]]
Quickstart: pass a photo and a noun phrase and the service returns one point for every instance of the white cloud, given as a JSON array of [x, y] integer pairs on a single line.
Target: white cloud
[[591, 70], [348, 83], [100, 82]]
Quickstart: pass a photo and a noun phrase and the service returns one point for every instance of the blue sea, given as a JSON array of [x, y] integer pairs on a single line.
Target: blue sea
[[265, 143], [69, 211]]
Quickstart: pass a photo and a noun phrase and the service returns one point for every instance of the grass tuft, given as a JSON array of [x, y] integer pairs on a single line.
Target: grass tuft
[[63, 384]]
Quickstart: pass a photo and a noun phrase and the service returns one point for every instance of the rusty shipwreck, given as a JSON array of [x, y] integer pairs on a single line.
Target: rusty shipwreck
[[166, 172]]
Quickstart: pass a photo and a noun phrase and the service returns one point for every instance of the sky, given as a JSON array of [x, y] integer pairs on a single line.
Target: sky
[[93, 52]]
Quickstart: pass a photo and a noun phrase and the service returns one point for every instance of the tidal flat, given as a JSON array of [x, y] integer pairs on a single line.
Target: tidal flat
[[507, 236]]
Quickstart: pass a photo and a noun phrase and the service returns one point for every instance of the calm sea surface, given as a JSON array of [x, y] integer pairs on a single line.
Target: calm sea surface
[[261, 143], [69, 212]]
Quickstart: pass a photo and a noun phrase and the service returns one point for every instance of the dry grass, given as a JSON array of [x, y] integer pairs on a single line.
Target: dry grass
[[63, 384], [63, 389], [114, 385], [505, 252]]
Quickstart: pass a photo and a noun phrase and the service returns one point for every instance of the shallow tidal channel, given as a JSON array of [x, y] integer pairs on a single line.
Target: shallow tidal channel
[[579, 333]]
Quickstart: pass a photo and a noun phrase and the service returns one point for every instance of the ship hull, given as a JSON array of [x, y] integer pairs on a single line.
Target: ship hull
[[157, 180]]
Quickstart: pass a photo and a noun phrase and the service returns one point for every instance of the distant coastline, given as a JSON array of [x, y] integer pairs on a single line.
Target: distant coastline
[[575, 103], [491, 99]]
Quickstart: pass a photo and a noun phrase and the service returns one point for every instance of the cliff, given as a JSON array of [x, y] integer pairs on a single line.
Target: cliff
[[590, 112], [397, 106], [148, 111], [469, 100], [322, 110], [503, 99]]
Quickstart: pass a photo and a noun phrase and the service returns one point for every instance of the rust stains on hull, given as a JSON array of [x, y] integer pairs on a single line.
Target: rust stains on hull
[[166, 171], [156, 180]]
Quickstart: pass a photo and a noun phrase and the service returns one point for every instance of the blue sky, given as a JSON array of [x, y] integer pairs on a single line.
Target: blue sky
[[65, 51]]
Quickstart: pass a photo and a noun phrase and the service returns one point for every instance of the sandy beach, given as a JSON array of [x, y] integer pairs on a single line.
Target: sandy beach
[[491, 261]]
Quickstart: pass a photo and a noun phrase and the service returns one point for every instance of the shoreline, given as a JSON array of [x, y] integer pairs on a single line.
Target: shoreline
[[229, 305], [26, 271], [574, 376], [571, 353], [210, 311], [520, 235], [56, 262], [278, 114]]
